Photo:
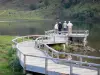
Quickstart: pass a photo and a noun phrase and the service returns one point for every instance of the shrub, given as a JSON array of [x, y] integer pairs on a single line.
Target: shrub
[[58, 47], [69, 48], [62, 56], [11, 52], [15, 65]]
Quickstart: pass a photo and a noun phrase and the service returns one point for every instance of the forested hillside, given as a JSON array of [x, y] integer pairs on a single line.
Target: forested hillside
[[84, 10]]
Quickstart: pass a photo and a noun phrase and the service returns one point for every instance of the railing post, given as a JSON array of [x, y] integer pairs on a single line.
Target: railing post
[[84, 41], [46, 66], [81, 61], [66, 39], [98, 71], [47, 51], [71, 69], [58, 55], [24, 69]]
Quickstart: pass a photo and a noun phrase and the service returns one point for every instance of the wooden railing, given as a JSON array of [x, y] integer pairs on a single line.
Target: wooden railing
[[20, 54], [39, 44], [86, 32], [51, 53]]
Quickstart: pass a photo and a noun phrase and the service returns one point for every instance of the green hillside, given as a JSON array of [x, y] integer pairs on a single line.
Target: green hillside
[[87, 10]]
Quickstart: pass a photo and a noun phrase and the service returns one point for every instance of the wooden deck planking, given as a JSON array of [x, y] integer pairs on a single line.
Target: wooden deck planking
[[38, 64]]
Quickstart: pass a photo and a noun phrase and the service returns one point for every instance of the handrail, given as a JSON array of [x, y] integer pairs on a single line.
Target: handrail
[[63, 32], [57, 52], [85, 56], [39, 42], [68, 61]]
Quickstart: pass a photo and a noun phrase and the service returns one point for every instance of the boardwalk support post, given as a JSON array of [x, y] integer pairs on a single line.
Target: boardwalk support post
[[58, 55], [24, 69], [71, 69], [46, 66], [81, 61]]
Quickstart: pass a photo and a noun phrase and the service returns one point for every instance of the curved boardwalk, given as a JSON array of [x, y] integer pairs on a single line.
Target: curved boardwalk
[[33, 58], [38, 64]]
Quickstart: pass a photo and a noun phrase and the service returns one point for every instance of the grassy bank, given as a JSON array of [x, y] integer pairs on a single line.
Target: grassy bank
[[12, 14], [6, 56]]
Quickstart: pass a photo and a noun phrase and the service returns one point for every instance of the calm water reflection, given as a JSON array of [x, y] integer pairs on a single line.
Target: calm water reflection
[[25, 28], [38, 27]]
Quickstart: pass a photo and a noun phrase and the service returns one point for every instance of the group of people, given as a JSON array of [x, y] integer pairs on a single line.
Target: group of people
[[63, 26]]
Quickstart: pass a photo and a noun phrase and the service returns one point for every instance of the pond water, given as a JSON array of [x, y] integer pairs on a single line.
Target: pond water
[[38, 27]]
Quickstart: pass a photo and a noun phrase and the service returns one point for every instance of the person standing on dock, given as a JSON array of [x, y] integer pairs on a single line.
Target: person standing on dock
[[56, 27], [59, 27], [69, 27], [65, 26]]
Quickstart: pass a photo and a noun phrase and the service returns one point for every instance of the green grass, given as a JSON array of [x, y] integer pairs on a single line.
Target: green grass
[[5, 47], [24, 15], [5, 43], [6, 39]]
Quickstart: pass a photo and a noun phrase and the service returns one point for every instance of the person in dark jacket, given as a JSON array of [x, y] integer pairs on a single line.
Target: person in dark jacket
[[59, 26]]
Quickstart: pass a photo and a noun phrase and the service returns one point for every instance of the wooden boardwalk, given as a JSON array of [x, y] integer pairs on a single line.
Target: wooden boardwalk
[[38, 64], [33, 58]]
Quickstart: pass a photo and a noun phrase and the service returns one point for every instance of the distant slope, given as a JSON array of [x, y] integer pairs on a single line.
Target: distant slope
[[56, 9]]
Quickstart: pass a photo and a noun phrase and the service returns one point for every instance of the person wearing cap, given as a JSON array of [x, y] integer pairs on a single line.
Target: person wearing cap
[[69, 27], [65, 26], [56, 27]]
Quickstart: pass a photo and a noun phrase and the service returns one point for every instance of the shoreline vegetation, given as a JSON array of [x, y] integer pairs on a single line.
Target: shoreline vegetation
[[76, 49], [9, 64], [73, 48]]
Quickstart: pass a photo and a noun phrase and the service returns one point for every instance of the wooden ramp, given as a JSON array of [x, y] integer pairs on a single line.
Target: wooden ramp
[[36, 64]]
